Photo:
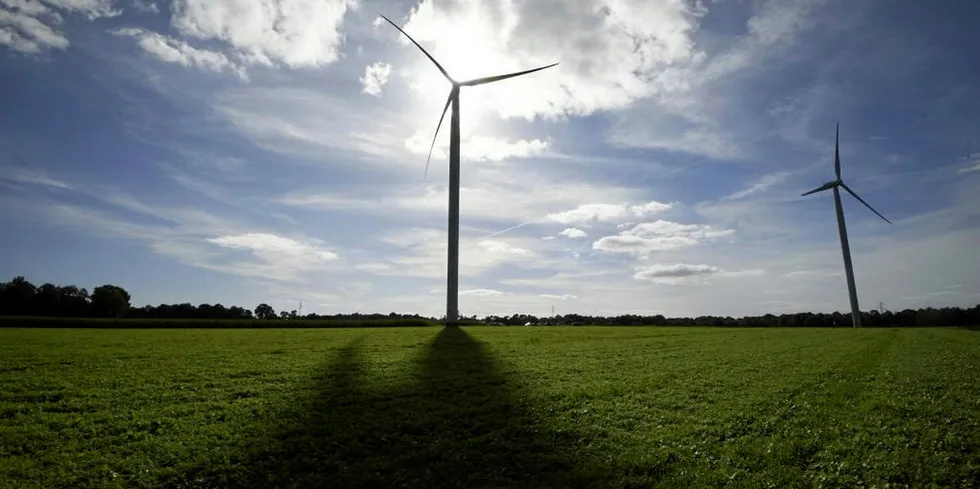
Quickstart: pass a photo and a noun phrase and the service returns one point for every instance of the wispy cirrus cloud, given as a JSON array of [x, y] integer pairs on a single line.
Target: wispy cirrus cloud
[[762, 185], [24, 175], [179, 52], [973, 167]]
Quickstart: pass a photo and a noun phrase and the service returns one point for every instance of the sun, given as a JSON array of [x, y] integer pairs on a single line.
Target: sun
[[465, 56]]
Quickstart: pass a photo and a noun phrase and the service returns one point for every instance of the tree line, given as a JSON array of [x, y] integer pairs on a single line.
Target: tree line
[[19, 297]]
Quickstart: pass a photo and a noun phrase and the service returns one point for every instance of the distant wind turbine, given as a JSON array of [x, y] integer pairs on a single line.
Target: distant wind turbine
[[452, 312], [848, 267]]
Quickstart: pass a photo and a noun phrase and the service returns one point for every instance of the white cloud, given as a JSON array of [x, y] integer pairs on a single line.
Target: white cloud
[[26, 26], [481, 292], [573, 233], [145, 6], [480, 148], [179, 52], [316, 125], [375, 77], [26, 7], [421, 252], [504, 197], [651, 237], [698, 112], [91, 9], [763, 184], [187, 235], [22, 31], [494, 246], [610, 54], [31, 177], [672, 274], [273, 245], [560, 297], [971, 169], [586, 213], [809, 274], [294, 33]]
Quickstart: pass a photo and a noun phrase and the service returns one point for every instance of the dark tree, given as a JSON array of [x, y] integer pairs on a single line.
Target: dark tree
[[265, 311], [109, 301]]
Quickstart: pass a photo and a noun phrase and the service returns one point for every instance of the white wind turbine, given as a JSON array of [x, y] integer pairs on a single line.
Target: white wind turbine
[[452, 299], [845, 249]]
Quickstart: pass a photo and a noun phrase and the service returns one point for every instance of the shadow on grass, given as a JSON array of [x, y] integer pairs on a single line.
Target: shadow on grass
[[460, 424]]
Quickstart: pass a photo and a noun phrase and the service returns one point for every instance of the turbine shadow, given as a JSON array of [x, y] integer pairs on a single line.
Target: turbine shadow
[[461, 423]]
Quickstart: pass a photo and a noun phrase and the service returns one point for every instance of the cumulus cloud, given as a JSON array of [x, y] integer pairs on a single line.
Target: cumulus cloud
[[657, 236], [573, 233], [610, 54], [294, 33], [375, 77], [672, 274], [586, 213], [179, 52]]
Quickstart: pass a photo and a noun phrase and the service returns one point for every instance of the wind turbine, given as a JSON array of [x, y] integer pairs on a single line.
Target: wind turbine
[[846, 250], [452, 312]]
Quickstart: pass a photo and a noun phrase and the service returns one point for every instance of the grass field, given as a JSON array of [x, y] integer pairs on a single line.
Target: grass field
[[490, 407]]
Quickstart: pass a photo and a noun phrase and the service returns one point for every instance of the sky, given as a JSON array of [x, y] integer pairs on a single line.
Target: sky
[[238, 152]]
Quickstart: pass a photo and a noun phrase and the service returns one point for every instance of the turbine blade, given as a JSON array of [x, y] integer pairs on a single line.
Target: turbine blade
[[434, 136], [426, 53], [491, 79], [826, 186], [837, 153], [863, 202]]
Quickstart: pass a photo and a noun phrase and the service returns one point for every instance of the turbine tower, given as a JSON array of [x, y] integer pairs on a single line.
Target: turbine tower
[[836, 185], [452, 281]]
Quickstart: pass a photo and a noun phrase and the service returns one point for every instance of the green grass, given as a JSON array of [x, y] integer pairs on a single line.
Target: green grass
[[489, 407]]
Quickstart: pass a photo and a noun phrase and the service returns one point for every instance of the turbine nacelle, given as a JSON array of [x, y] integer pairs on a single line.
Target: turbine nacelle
[[840, 182], [454, 93]]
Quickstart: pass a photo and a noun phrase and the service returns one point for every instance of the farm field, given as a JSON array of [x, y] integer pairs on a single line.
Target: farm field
[[489, 407]]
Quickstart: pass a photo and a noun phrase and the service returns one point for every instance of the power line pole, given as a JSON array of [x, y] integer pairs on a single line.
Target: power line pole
[[300, 308]]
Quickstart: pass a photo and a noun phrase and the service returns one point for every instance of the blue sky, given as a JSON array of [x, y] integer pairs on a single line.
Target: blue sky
[[243, 152]]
